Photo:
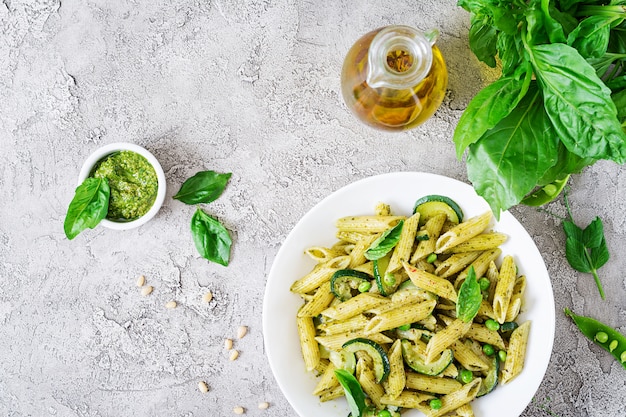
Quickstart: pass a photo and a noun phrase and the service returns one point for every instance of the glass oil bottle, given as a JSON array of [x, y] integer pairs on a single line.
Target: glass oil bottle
[[394, 78]]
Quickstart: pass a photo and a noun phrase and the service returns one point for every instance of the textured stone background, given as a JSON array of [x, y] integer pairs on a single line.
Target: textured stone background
[[248, 87]]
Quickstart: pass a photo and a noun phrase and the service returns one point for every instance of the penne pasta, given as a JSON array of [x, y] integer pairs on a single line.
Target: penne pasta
[[517, 351], [433, 229], [320, 301], [400, 316], [429, 282], [504, 289], [444, 338], [396, 317], [396, 381], [310, 348], [402, 251], [463, 232], [481, 242], [367, 224]]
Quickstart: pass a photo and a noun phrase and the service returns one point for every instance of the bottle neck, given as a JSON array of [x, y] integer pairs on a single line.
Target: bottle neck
[[399, 57]]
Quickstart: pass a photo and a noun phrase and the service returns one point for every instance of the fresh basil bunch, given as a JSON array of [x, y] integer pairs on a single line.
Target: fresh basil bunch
[[88, 207], [560, 104], [211, 238]]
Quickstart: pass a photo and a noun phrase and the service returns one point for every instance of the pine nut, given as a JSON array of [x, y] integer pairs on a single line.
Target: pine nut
[[141, 281], [203, 387], [238, 410], [228, 344], [146, 290], [264, 405], [233, 355], [170, 305], [207, 297], [241, 331]]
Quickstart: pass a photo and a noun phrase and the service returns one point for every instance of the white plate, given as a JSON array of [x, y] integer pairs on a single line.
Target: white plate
[[400, 190]]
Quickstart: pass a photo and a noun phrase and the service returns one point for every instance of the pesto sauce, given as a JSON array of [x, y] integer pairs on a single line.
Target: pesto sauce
[[133, 184]]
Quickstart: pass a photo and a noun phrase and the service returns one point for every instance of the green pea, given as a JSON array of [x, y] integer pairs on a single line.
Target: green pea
[[622, 357], [431, 258], [484, 283], [435, 404], [502, 355], [405, 327], [488, 350], [602, 337], [491, 324], [364, 286], [383, 413], [466, 376], [613, 345], [389, 280]]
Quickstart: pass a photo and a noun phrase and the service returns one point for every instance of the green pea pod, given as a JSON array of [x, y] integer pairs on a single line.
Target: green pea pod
[[615, 343]]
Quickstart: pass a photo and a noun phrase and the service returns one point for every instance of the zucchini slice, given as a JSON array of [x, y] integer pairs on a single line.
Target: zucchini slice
[[345, 283], [490, 381], [417, 361], [343, 359], [433, 204], [380, 269], [375, 351]]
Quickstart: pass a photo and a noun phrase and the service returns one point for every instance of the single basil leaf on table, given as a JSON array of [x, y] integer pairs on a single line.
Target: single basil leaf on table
[[211, 238], [203, 187], [470, 297], [381, 246], [88, 207], [578, 103], [492, 104], [508, 160], [354, 393]]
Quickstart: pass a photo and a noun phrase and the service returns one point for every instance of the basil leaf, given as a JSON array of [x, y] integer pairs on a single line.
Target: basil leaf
[[591, 36], [482, 40], [212, 240], [89, 205], [553, 27], [381, 246], [470, 297], [353, 390], [487, 109], [510, 51], [204, 187], [585, 118], [568, 163], [593, 235], [508, 160]]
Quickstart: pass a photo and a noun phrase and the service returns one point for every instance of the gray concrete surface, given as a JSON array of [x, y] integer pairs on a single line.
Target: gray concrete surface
[[248, 87]]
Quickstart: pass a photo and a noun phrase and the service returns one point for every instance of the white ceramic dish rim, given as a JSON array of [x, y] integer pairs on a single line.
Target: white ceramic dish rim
[[102, 152], [400, 190]]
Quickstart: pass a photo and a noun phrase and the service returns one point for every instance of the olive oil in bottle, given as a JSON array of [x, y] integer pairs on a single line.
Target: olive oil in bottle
[[394, 78]]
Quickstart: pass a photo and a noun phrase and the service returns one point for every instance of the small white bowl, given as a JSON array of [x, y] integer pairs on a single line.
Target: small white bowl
[[104, 151]]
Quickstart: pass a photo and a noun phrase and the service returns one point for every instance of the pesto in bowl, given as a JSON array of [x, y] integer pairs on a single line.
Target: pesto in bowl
[[133, 182]]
